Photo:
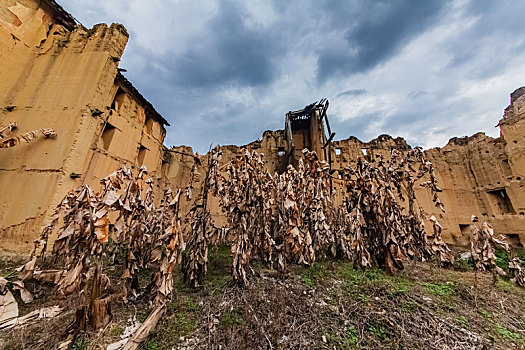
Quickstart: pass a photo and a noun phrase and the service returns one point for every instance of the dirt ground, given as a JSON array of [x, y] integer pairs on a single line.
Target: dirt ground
[[329, 305]]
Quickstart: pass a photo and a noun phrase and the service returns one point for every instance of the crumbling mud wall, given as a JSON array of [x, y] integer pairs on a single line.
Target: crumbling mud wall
[[483, 176], [479, 175], [58, 74]]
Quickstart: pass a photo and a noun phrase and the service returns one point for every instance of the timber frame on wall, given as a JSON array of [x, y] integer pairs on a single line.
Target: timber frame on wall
[[305, 120]]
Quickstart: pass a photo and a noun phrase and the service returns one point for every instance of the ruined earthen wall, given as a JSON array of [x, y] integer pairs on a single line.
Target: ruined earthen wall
[[478, 175], [483, 176], [60, 78]]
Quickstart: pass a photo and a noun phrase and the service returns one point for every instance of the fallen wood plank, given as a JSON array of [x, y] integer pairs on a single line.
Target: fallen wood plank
[[145, 329]]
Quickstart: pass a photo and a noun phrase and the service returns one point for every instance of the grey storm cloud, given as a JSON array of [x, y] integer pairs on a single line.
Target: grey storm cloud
[[384, 28], [225, 71], [229, 52]]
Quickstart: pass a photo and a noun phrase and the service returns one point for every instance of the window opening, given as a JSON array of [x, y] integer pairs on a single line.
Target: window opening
[[500, 201], [107, 135], [149, 124], [141, 155], [118, 100]]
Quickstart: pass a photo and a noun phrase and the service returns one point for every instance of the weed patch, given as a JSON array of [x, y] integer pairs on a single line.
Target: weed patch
[[313, 274], [409, 306], [462, 321], [378, 330], [443, 290], [230, 319], [505, 333]]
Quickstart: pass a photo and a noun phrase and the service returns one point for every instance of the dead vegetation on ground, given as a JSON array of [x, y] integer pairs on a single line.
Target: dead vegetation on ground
[[120, 246]]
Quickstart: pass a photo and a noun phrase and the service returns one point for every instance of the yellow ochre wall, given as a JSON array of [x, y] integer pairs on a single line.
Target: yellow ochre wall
[[65, 79]]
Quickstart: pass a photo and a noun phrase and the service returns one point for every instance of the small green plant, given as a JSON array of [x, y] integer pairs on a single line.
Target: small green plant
[[505, 333], [313, 274], [444, 290], [191, 306], [450, 306], [378, 331], [462, 321], [502, 259], [229, 319], [350, 339], [486, 315], [81, 344], [400, 285], [409, 306], [151, 344], [363, 298], [464, 264]]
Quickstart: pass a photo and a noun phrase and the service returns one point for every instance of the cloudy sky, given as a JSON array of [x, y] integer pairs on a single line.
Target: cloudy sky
[[225, 71]]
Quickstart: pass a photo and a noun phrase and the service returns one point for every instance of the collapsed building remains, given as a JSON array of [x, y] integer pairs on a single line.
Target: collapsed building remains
[[58, 74]]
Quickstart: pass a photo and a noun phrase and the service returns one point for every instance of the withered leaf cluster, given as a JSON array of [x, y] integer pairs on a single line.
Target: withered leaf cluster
[[483, 245], [200, 223], [7, 142], [119, 224], [516, 273], [280, 219]]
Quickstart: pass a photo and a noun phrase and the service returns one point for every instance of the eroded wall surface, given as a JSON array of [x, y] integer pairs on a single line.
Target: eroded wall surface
[[479, 175], [483, 176], [57, 74]]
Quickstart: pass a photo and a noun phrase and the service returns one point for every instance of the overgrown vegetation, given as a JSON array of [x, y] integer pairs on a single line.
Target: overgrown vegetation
[[120, 244]]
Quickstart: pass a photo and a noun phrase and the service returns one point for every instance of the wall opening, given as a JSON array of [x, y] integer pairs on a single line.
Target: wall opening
[[464, 229], [500, 201], [506, 167], [118, 100], [149, 124], [280, 151], [513, 239], [107, 135], [364, 151], [164, 168], [338, 151], [141, 155]]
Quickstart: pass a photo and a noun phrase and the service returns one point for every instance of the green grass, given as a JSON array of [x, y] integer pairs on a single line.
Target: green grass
[[442, 289], [350, 340], [507, 286], [313, 274], [378, 331], [409, 306], [116, 331], [191, 306], [347, 340], [81, 344], [363, 298], [143, 316], [230, 319], [462, 321], [151, 343], [220, 264], [505, 333], [359, 278]]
